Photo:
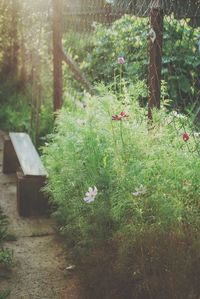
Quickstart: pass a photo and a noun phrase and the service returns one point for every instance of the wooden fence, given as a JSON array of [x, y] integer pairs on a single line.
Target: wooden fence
[[79, 15]]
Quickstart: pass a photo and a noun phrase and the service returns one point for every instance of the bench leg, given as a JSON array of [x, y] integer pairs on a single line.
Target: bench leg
[[30, 199], [10, 161]]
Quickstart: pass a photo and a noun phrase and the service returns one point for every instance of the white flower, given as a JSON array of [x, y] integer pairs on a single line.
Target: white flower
[[178, 115], [140, 191], [90, 195], [80, 122], [196, 134], [120, 60]]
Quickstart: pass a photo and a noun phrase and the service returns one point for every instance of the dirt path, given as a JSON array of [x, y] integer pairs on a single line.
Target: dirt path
[[40, 265]]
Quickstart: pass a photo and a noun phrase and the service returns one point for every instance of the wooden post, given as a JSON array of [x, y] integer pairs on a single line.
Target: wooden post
[[31, 201], [155, 65], [57, 53]]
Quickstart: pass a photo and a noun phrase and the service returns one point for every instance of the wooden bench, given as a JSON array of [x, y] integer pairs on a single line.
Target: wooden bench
[[21, 157]]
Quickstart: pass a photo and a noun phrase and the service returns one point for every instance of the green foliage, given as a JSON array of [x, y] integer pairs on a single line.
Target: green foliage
[[46, 121], [181, 61], [94, 150], [18, 112], [15, 115], [77, 46], [3, 226], [147, 179], [6, 258], [25, 69], [127, 37]]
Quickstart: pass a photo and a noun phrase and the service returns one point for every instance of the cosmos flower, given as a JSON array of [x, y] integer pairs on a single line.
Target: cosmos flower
[[119, 116], [91, 194], [123, 114], [116, 117], [140, 191], [186, 136], [196, 134], [120, 60]]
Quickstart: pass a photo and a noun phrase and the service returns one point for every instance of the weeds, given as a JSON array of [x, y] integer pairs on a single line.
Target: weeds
[[6, 256], [5, 294]]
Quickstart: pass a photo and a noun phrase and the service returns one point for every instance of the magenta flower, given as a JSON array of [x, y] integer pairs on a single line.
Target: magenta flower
[[116, 117], [121, 60], [119, 116], [186, 136], [123, 114]]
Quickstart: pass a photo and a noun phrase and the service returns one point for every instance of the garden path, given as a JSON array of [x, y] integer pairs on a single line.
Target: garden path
[[40, 264]]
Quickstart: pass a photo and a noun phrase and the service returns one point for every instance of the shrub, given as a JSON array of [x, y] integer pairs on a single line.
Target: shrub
[[19, 113], [148, 182], [127, 37]]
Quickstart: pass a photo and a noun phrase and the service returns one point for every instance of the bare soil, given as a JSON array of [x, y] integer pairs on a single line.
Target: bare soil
[[40, 263]]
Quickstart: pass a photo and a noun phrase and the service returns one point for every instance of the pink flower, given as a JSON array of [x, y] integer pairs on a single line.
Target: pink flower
[[186, 136], [121, 60], [123, 114], [116, 117], [119, 116]]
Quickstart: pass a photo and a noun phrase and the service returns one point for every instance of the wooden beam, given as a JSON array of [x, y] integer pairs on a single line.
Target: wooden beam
[[57, 57], [77, 72], [27, 155]]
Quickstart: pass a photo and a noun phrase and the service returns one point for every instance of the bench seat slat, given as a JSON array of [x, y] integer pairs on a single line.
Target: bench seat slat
[[27, 155]]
